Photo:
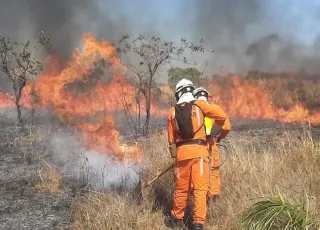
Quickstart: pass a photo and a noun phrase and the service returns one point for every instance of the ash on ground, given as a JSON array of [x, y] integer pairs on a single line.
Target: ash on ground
[[21, 205]]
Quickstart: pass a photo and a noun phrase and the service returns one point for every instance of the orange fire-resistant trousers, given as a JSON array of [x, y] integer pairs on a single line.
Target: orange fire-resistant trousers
[[195, 171], [214, 185], [214, 180]]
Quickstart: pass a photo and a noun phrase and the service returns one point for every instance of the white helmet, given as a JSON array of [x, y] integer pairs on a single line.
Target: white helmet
[[201, 92], [184, 86]]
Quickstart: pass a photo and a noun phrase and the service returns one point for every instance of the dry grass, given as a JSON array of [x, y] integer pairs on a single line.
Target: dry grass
[[113, 211], [50, 179], [256, 167]]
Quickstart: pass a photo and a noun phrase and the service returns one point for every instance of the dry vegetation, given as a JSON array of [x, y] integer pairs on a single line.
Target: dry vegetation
[[285, 90], [262, 162], [259, 165], [50, 179]]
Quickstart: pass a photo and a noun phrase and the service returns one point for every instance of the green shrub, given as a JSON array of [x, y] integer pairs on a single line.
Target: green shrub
[[278, 213]]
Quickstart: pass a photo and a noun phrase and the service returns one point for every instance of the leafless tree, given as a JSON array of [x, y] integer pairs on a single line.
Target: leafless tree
[[19, 64], [150, 54]]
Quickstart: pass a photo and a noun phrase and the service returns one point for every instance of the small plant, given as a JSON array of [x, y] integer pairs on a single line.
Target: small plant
[[278, 213]]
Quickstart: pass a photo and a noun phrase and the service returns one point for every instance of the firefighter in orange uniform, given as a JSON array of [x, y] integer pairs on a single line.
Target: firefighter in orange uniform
[[214, 180], [187, 143]]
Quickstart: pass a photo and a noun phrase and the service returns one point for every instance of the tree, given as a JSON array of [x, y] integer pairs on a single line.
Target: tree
[[149, 54], [176, 74], [19, 64]]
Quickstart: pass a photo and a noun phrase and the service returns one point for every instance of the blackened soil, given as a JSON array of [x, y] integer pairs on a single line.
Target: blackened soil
[[21, 205]]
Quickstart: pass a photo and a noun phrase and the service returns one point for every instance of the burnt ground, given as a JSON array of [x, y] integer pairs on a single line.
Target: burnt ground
[[23, 207]]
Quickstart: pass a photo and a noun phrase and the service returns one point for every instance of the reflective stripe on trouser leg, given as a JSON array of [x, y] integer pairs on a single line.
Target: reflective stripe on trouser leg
[[178, 170], [201, 166], [200, 174], [210, 174]]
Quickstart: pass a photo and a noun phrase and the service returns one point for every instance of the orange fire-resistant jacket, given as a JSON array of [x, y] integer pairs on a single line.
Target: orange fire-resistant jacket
[[225, 128], [200, 110]]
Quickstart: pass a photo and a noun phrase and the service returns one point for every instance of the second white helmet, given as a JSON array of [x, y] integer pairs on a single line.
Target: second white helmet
[[201, 92]]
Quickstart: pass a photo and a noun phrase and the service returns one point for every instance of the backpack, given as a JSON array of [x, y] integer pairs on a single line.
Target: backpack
[[183, 116]]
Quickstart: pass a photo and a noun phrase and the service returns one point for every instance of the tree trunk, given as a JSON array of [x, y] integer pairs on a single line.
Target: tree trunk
[[148, 108], [17, 102], [18, 87], [139, 117]]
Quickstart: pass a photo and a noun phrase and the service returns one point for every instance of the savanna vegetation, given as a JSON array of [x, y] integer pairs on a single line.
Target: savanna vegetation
[[270, 179], [268, 182]]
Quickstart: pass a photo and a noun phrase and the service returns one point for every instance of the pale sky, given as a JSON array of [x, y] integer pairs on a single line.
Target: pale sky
[[298, 18]]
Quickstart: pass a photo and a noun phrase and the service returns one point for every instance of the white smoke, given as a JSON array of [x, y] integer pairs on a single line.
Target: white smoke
[[98, 170]]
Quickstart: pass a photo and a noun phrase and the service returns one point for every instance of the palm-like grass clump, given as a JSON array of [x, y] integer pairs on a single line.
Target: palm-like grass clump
[[278, 213]]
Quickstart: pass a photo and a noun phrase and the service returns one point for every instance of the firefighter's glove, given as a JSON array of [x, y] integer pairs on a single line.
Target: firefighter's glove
[[215, 131], [211, 141], [173, 150]]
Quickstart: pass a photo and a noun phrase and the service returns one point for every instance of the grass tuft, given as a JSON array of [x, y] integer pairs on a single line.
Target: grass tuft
[[278, 213], [50, 179]]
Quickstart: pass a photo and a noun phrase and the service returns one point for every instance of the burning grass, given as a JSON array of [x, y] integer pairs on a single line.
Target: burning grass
[[255, 168]]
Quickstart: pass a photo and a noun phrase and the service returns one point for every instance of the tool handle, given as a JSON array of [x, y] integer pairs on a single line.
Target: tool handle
[[159, 175]]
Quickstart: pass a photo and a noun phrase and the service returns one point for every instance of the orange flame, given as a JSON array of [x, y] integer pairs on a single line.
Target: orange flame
[[6, 100], [59, 90], [245, 100], [77, 94]]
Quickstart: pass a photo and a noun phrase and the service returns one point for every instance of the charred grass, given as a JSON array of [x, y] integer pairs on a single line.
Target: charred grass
[[259, 164]]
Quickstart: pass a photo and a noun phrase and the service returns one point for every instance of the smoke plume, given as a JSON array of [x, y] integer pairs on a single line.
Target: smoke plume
[[98, 170], [64, 21], [252, 35], [246, 35]]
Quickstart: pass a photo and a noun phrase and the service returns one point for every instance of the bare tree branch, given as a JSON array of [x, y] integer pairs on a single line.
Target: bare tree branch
[[151, 53], [18, 63]]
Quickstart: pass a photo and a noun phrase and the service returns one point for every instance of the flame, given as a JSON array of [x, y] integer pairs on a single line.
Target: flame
[[6, 100], [78, 95], [89, 110], [245, 100]]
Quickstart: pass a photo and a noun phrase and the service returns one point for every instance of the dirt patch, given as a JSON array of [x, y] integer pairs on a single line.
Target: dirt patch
[[21, 205]]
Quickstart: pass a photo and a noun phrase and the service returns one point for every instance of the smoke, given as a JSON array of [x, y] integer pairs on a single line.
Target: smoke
[[256, 35], [64, 21], [274, 54], [100, 171], [246, 35]]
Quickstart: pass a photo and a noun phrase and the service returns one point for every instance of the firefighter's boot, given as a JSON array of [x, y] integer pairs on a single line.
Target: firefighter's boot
[[171, 222], [196, 226]]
